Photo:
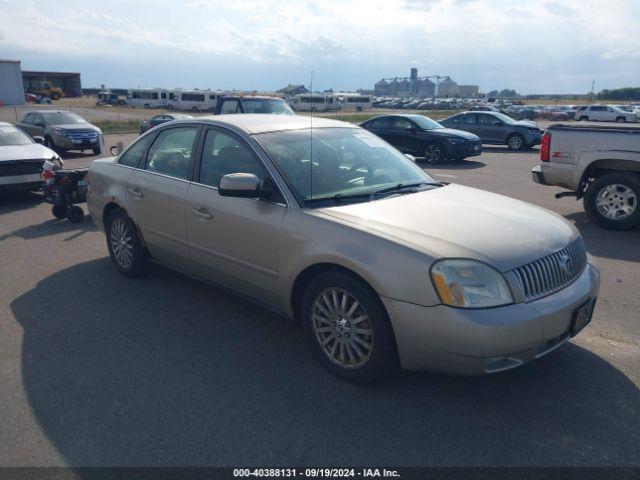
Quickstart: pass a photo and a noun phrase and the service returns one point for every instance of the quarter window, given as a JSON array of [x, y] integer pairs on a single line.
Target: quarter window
[[223, 154], [131, 158], [171, 152]]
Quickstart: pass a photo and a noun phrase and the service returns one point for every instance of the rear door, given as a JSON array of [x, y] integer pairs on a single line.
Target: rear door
[[381, 127], [233, 241], [157, 193]]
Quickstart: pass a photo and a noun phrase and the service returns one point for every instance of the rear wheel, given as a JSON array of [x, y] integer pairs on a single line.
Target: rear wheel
[[433, 153], [125, 250], [59, 211], [75, 214], [515, 141], [611, 201], [621, 119], [584, 118], [348, 327]]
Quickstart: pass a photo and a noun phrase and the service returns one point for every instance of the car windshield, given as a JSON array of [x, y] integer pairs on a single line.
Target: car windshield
[[504, 118], [338, 162], [266, 105], [425, 122], [62, 118], [10, 135]]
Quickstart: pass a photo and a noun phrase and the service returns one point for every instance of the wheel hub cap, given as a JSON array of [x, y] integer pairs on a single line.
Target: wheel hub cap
[[342, 327], [616, 201], [121, 243]]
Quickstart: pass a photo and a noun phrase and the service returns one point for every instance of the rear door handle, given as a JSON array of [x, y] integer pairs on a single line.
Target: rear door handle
[[202, 212], [136, 192]]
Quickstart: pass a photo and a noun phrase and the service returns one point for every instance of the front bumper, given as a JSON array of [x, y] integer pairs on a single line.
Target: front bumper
[[15, 183], [463, 150], [65, 143], [464, 341]]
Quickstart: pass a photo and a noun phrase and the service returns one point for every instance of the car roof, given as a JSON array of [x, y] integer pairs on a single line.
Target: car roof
[[50, 111], [264, 122]]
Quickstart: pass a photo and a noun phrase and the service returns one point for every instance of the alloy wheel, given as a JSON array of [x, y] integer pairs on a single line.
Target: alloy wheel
[[515, 142], [342, 328], [433, 153], [121, 243], [616, 201]]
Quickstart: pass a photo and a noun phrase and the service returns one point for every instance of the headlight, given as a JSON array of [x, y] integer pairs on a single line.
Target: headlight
[[456, 141], [469, 284]]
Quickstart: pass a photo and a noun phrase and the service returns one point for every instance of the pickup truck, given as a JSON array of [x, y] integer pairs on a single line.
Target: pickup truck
[[600, 165]]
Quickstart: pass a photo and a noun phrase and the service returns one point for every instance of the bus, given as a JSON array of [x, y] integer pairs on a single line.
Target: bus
[[147, 97], [354, 101], [307, 102], [193, 100]]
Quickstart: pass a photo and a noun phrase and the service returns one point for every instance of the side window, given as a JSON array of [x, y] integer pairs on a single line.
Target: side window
[[484, 119], [171, 152], [382, 123], [400, 123], [28, 118], [37, 119], [132, 156], [468, 119], [222, 154], [229, 106]]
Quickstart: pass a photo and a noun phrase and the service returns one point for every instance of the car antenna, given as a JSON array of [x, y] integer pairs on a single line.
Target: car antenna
[[311, 140]]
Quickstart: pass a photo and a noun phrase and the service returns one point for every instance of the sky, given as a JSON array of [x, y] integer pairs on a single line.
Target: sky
[[532, 46]]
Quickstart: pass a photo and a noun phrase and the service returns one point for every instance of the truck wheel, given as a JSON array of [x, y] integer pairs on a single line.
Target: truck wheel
[[611, 201], [515, 141], [348, 328], [125, 250]]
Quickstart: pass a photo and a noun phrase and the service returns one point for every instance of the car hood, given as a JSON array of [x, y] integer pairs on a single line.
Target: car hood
[[450, 132], [33, 151], [526, 123], [462, 222], [76, 126]]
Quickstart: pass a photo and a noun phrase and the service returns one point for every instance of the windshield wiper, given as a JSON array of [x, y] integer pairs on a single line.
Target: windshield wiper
[[400, 187]]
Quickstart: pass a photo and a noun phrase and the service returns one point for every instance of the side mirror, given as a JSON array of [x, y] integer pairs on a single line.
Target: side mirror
[[244, 185], [410, 157], [39, 139]]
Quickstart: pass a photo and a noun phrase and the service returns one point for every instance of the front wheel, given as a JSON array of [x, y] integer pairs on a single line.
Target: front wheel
[[621, 119], [125, 250], [515, 141], [97, 150], [611, 201], [348, 328], [433, 153]]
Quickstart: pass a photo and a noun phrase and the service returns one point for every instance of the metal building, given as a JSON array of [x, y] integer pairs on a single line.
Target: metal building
[[69, 82], [11, 87]]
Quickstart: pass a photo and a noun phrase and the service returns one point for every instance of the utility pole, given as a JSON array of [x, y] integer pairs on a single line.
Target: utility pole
[[593, 84]]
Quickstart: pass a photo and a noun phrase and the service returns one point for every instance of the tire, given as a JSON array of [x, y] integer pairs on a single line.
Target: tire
[[611, 201], [97, 150], [621, 119], [48, 142], [584, 118], [356, 357], [75, 214], [55, 96], [122, 237], [433, 153], [60, 211], [147, 106], [515, 141]]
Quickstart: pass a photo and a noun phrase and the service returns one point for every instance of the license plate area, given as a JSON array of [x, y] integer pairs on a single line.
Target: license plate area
[[582, 317]]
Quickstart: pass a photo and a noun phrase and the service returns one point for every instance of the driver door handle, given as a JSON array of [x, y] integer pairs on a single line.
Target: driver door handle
[[136, 192], [202, 212]]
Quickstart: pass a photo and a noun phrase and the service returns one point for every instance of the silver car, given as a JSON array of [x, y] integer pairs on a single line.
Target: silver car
[[380, 263]]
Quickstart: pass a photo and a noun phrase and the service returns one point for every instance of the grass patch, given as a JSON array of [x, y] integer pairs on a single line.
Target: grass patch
[[109, 127]]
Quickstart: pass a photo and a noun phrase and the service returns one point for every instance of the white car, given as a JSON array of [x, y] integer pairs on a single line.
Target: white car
[[604, 113], [21, 159]]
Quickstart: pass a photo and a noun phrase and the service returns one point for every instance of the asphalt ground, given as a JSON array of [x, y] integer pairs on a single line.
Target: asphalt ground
[[99, 370]]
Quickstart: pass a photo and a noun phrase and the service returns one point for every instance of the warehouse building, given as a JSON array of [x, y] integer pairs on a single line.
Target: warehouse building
[[11, 87], [69, 82]]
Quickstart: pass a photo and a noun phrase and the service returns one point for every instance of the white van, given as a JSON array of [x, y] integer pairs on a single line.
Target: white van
[[147, 97], [308, 102], [354, 102], [193, 100]]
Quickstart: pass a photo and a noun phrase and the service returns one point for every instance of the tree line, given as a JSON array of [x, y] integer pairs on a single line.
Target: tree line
[[629, 93]]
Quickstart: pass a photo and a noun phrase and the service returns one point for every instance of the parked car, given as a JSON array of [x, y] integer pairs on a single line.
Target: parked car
[[158, 119], [497, 128], [62, 130], [21, 159], [422, 137], [252, 104], [604, 113], [600, 165], [380, 263]]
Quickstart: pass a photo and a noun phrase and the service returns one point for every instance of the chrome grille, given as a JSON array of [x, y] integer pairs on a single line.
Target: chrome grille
[[553, 272], [82, 135]]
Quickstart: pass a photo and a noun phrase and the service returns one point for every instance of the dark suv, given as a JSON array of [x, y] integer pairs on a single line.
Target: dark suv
[[497, 128]]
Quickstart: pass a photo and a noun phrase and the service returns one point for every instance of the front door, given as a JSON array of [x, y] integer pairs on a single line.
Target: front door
[[157, 194], [233, 241], [489, 131], [405, 137]]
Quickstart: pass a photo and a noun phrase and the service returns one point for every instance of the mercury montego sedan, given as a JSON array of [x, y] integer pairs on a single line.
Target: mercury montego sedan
[[380, 263]]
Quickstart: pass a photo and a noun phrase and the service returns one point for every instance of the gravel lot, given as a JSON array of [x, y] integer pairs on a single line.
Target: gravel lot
[[99, 370]]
